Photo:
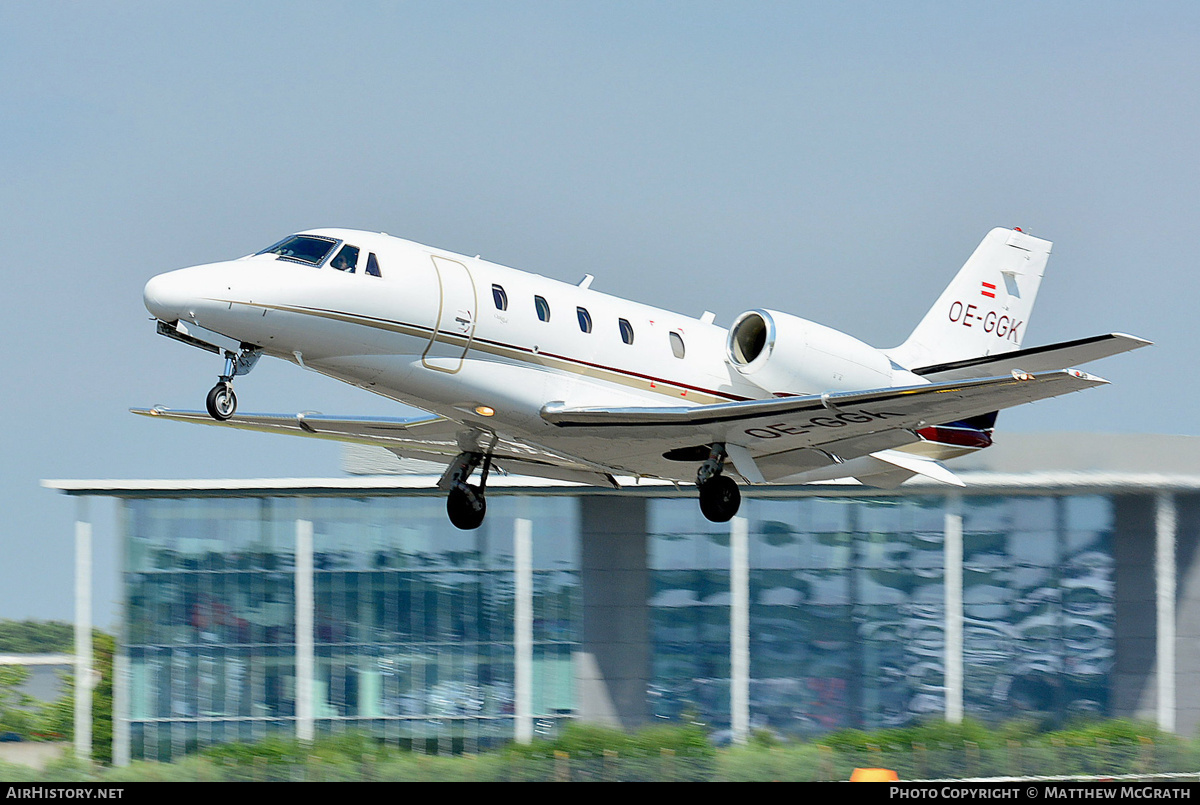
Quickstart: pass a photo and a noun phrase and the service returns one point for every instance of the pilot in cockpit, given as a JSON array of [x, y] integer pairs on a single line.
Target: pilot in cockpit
[[346, 259]]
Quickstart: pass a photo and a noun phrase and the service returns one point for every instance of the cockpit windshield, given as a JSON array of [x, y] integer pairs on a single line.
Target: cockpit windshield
[[308, 249]]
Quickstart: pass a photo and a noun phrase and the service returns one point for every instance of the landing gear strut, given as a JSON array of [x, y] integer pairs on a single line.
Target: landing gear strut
[[466, 505], [221, 401], [720, 498]]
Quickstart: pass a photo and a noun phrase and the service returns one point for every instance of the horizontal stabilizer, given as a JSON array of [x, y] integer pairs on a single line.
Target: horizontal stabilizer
[[1036, 359]]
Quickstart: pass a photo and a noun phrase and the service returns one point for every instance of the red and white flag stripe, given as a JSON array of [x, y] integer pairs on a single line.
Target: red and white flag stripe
[[989, 290]]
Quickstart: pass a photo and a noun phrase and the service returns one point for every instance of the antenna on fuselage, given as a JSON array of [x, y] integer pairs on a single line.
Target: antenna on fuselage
[[586, 282]]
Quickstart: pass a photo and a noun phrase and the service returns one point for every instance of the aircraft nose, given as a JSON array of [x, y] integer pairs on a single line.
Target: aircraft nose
[[166, 296]]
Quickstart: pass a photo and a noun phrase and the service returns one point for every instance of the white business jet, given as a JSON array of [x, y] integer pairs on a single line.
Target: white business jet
[[538, 377]]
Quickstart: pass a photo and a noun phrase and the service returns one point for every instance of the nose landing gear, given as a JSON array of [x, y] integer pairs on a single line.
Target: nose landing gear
[[720, 498], [221, 401]]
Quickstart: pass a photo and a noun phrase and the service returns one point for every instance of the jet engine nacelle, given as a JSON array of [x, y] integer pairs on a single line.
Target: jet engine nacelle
[[782, 353]]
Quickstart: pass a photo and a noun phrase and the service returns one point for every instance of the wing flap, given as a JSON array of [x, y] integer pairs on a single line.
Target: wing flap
[[780, 465]]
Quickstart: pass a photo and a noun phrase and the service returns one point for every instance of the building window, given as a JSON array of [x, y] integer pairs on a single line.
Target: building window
[[543, 308], [626, 331], [585, 319]]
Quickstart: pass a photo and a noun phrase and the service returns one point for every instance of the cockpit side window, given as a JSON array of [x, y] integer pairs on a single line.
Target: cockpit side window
[[308, 249], [373, 265], [346, 260]]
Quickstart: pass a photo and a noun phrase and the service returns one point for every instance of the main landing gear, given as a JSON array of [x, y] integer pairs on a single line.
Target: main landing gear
[[465, 504], [719, 495], [221, 401]]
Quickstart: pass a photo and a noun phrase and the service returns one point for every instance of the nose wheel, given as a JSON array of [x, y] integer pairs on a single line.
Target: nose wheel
[[720, 497], [221, 401]]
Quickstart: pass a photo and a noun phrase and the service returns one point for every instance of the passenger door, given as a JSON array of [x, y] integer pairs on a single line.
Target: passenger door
[[455, 326]]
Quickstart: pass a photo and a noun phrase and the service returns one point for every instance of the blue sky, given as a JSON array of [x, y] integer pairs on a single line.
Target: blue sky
[[838, 161]]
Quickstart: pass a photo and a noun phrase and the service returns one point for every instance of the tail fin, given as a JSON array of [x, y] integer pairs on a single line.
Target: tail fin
[[986, 308]]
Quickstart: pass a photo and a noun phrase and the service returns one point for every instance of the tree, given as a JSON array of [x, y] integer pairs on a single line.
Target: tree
[[16, 708], [58, 718], [36, 637]]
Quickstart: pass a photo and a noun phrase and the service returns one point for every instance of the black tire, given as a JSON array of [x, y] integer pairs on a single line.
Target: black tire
[[221, 402], [720, 499], [466, 507]]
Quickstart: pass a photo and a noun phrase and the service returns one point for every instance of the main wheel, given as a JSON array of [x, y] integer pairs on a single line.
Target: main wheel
[[466, 507], [720, 498], [221, 401]]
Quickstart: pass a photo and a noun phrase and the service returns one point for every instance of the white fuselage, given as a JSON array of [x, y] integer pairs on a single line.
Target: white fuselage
[[430, 331]]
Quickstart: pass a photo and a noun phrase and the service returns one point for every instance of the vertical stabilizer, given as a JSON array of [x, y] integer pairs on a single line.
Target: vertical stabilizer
[[986, 309]]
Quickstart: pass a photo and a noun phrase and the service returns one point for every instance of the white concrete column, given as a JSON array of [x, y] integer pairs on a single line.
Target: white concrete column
[[120, 714], [523, 631], [304, 630], [739, 629], [83, 631], [1164, 591], [121, 681], [953, 558]]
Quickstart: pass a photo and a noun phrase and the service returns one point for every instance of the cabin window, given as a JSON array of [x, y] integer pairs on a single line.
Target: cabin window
[[543, 308], [585, 319], [677, 345], [346, 260], [499, 297], [373, 265], [626, 331], [308, 249]]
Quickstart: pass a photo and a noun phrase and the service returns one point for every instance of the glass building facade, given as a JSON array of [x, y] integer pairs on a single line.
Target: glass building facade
[[848, 609], [413, 620]]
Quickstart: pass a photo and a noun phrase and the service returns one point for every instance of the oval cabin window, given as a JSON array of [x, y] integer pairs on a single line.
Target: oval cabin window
[[626, 331], [677, 348]]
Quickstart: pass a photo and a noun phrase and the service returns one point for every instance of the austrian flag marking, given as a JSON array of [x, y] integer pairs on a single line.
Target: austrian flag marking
[[989, 290]]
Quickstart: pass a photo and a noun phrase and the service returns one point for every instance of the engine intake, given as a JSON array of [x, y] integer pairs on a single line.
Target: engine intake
[[785, 354]]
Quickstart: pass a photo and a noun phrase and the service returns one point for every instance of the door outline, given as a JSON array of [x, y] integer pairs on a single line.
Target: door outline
[[456, 296]]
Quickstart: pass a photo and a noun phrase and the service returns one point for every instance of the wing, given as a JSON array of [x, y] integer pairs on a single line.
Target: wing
[[769, 440], [782, 437], [430, 438], [1036, 359]]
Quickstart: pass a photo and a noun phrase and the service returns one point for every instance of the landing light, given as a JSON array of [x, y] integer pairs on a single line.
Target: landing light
[[485, 410]]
